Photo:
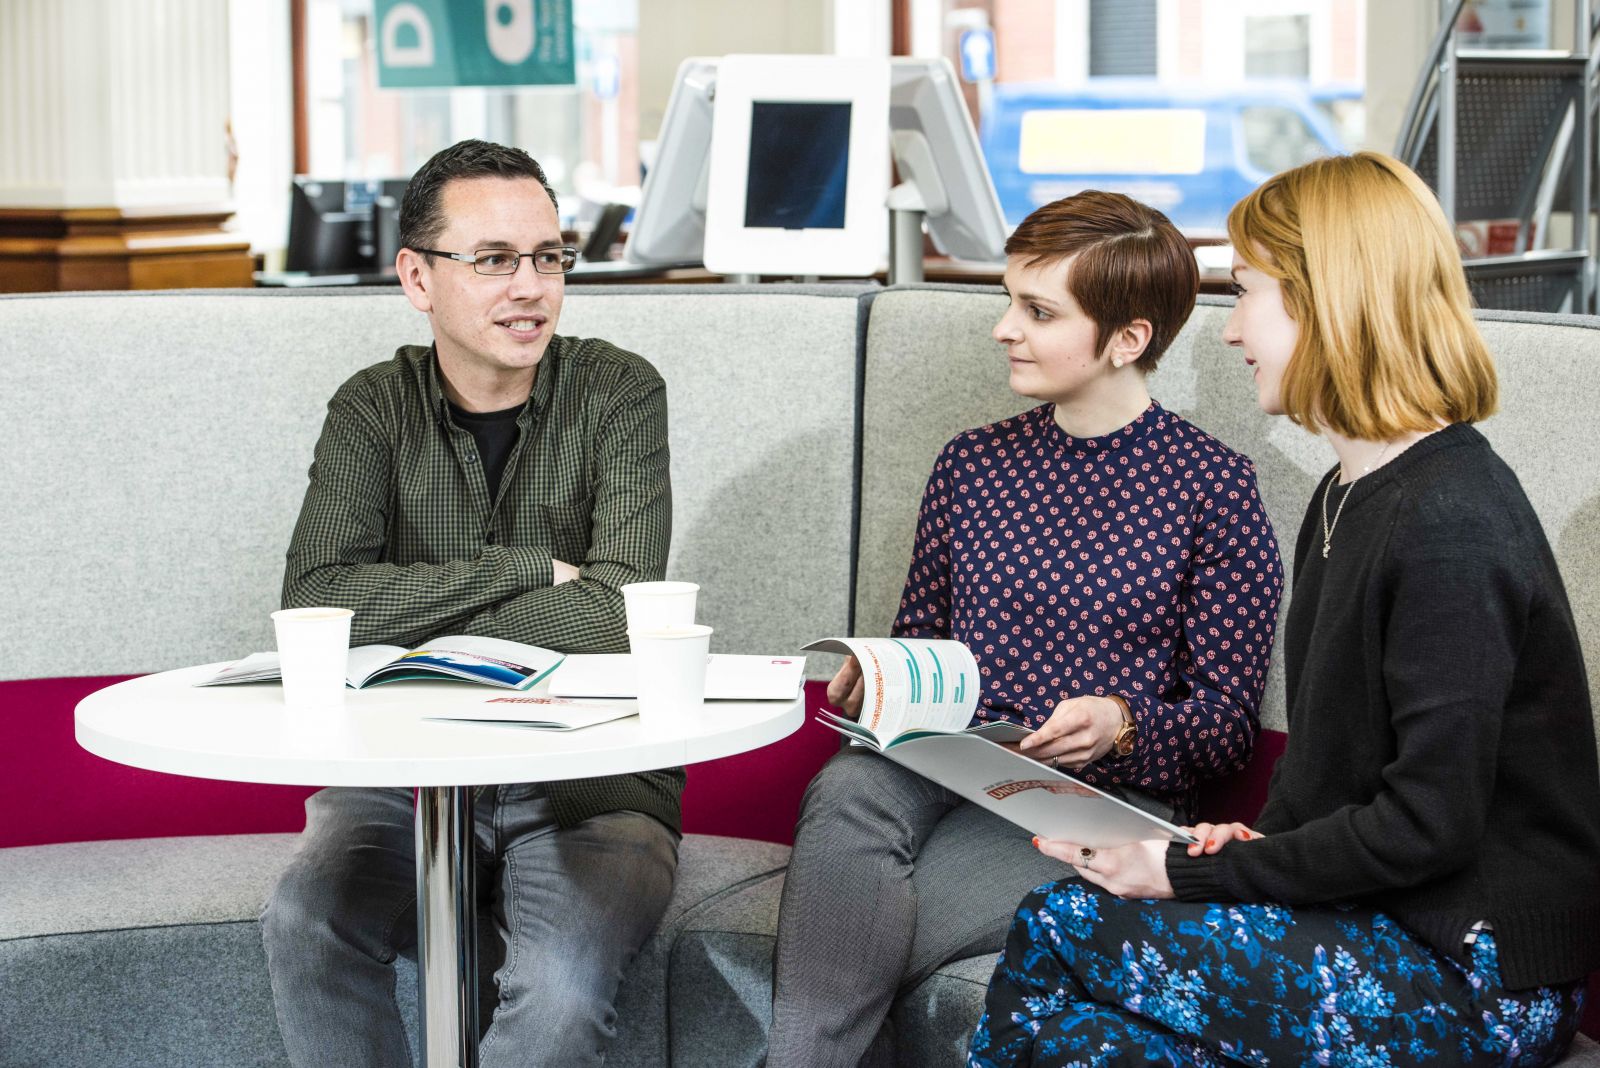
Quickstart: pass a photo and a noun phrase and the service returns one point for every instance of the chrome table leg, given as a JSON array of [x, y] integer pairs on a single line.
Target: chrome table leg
[[447, 948]]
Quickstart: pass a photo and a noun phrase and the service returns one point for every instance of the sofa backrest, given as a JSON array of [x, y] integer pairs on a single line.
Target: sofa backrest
[[161, 440], [932, 370]]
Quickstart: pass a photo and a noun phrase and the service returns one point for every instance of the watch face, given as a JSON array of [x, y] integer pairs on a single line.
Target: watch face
[[1125, 739]]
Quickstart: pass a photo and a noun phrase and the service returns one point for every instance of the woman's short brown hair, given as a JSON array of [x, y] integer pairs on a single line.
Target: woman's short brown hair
[[1131, 263], [1371, 273]]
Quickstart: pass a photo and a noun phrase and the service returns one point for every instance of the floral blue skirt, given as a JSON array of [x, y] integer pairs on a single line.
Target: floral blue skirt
[[1088, 978]]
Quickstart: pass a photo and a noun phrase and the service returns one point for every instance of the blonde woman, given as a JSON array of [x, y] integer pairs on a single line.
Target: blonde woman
[[1423, 885]]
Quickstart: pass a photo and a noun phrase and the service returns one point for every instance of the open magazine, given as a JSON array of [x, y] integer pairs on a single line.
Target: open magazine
[[920, 694], [491, 661]]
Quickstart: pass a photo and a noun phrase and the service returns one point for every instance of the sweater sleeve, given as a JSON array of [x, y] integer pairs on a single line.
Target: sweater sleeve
[[1274, 815], [1451, 630], [925, 602], [1229, 605]]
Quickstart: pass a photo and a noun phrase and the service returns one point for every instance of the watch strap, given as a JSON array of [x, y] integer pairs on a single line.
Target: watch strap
[[1126, 737]]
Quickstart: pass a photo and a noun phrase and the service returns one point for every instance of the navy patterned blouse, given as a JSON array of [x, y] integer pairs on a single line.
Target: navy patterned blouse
[[1141, 563]]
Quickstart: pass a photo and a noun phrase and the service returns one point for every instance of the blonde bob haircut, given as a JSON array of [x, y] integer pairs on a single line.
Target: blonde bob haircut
[[1370, 273]]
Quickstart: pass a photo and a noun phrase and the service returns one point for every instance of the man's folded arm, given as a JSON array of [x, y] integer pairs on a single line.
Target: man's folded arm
[[630, 532], [334, 556]]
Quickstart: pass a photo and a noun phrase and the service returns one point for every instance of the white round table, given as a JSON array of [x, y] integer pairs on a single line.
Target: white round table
[[241, 733]]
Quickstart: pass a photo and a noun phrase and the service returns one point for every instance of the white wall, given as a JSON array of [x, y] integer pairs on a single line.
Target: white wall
[[858, 28], [1398, 35], [670, 31]]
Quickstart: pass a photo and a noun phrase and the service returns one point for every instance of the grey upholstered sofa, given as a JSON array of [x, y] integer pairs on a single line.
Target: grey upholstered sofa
[[159, 448]]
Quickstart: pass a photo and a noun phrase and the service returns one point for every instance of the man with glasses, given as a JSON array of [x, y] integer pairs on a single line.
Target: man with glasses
[[504, 481]]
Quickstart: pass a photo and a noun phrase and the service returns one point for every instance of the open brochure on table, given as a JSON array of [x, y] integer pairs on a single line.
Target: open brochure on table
[[920, 696], [491, 661], [728, 677]]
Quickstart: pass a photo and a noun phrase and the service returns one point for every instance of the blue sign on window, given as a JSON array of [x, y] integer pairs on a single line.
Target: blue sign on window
[[977, 55], [442, 43]]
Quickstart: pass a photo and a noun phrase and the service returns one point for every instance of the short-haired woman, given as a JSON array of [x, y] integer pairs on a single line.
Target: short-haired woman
[[1114, 573], [1423, 885]]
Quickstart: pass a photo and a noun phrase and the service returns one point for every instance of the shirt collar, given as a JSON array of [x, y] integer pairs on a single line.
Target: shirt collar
[[544, 386]]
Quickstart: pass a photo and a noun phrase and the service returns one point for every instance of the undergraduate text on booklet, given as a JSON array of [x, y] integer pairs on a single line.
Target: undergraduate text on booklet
[[491, 661], [920, 694], [539, 713], [728, 677]]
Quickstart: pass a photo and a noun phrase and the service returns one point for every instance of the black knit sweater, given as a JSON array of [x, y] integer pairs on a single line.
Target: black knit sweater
[[1441, 758]]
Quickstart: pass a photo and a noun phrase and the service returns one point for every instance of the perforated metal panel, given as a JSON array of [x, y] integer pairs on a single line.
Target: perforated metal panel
[[1535, 290], [1507, 116]]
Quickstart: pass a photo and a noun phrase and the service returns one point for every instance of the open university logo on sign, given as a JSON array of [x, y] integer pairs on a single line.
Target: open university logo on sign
[[442, 43]]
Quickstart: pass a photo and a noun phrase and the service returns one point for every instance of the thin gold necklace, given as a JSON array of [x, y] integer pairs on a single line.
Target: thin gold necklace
[[1327, 527]]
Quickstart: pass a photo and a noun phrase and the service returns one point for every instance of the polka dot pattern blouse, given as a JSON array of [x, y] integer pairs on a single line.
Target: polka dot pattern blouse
[[1141, 563]]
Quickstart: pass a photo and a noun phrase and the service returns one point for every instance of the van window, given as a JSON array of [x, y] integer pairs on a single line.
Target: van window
[[1113, 141], [1277, 138]]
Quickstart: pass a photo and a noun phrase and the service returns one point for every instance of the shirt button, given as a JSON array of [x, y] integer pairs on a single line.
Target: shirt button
[[489, 538], [472, 457]]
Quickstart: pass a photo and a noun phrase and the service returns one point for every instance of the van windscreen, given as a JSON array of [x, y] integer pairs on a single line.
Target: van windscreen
[[1113, 141]]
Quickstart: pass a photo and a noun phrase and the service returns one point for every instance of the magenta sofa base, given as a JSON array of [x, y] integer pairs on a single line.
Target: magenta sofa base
[[53, 791]]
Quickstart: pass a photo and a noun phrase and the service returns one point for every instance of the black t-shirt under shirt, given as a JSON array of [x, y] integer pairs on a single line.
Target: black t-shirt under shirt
[[496, 435]]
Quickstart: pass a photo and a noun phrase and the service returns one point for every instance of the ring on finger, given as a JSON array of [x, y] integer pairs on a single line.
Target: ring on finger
[[1085, 857]]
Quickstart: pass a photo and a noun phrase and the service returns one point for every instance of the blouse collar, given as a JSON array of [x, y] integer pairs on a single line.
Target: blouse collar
[[1151, 422]]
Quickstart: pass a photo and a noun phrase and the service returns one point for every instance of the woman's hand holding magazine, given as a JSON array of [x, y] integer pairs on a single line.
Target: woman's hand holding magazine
[[1079, 731], [846, 689], [914, 699]]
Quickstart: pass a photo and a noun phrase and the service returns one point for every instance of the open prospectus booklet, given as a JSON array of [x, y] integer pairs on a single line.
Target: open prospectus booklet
[[920, 696]]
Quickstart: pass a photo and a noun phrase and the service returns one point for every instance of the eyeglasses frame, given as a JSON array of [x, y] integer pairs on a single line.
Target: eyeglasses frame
[[472, 258]]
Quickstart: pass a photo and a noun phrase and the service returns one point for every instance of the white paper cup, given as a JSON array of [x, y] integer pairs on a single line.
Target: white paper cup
[[313, 655], [653, 605], [671, 666]]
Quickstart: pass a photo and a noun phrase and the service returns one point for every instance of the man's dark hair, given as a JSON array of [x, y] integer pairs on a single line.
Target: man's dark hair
[[422, 208]]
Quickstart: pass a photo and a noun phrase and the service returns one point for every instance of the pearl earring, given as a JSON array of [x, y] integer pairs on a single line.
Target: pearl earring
[[1116, 361]]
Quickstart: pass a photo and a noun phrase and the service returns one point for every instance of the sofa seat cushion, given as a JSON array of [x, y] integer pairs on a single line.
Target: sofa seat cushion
[[148, 951], [88, 887], [144, 951], [1585, 1053]]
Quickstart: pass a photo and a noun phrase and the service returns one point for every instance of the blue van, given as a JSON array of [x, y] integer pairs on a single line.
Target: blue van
[[1191, 151]]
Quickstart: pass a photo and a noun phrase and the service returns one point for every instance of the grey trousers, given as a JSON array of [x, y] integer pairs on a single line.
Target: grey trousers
[[572, 908], [891, 877]]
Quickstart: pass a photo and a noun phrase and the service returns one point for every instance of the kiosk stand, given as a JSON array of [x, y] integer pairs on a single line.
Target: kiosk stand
[[905, 239], [771, 166]]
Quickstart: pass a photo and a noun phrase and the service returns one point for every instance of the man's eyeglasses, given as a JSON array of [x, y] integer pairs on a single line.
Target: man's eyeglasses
[[558, 259]]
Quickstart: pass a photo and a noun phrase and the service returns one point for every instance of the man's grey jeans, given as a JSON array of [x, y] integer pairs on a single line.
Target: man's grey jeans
[[572, 907]]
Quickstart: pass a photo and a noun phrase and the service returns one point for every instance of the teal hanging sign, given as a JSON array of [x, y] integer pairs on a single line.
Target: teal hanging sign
[[445, 43]]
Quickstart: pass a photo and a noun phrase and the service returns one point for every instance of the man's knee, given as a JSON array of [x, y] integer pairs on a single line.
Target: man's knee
[[559, 1016], [578, 996], [295, 913], [322, 902], [636, 838]]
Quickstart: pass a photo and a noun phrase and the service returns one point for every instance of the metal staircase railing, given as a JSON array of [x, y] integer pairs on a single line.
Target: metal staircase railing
[[1495, 134]]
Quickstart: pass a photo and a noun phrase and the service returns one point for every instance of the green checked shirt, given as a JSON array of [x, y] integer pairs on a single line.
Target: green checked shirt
[[398, 526]]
